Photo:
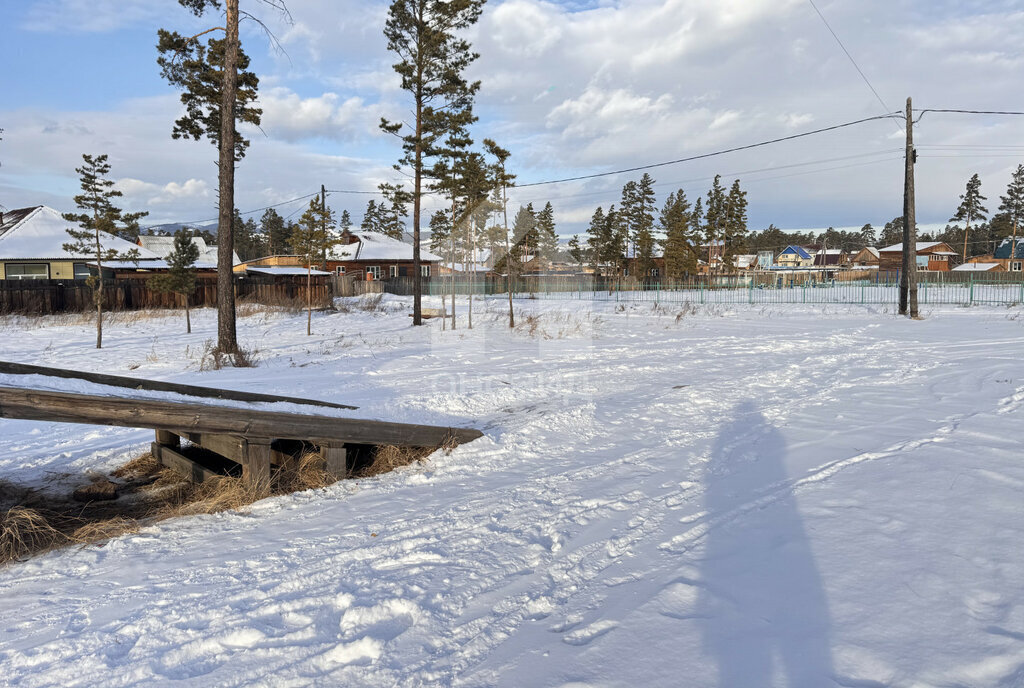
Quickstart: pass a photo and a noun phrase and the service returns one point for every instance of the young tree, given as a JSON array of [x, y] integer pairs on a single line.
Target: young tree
[[970, 208], [502, 180], [440, 231], [372, 218], [576, 251], [218, 92], [1013, 205], [345, 223], [99, 221], [392, 215], [180, 277], [313, 236], [432, 61]]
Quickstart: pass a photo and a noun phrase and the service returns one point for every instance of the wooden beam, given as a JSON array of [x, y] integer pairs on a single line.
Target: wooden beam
[[65, 407], [256, 466], [169, 458], [228, 446], [168, 439], [336, 458], [157, 386]]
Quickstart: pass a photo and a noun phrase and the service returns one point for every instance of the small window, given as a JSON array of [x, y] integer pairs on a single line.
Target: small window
[[654, 272], [1015, 266], [393, 271], [81, 271], [425, 270], [22, 271], [373, 272], [340, 270]]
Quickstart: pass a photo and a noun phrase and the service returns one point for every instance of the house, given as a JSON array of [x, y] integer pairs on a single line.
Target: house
[[794, 257], [162, 245], [765, 260], [867, 257], [366, 255], [32, 246], [745, 261], [830, 257], [1002, 254], [936, 256], [980, 267]]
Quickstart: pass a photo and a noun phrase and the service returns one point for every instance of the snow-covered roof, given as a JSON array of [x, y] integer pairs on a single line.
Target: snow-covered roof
[[830, 251], [283, 270], [151, 265], [377, 246], [744, 260], [975, 267], [921, 246], [162, 245], [40, 234], [870, 249]]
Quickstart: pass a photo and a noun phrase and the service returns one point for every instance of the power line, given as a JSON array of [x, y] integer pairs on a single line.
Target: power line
[[970, 112], [246, 212], [702, 156], [852, 61]]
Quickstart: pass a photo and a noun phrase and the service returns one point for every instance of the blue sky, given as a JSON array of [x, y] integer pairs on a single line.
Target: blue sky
[[570, 88]]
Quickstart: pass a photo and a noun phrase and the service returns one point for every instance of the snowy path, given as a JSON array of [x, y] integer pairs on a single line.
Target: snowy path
[[755, 497]]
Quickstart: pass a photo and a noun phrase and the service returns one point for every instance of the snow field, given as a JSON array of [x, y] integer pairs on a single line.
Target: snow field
[[742, 496]]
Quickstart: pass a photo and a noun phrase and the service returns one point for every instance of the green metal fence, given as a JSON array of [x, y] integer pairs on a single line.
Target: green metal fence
[[939, 291]]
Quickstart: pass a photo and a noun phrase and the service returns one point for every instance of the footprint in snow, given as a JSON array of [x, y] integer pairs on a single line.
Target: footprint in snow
[[587, 634]]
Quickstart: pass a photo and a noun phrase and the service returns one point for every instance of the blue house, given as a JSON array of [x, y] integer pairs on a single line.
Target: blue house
[[795, 257]]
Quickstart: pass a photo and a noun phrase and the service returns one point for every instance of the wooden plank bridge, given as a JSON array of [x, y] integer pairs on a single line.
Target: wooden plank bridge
[[252, 439]]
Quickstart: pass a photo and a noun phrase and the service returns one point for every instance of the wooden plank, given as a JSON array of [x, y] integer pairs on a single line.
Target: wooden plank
[[65, 407], [336, 458], [168, 439], [228, 446], [256, 467], [157, 386], [181, 464]]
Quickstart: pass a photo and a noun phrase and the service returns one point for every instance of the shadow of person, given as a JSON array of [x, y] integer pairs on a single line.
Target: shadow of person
[[765, 616]]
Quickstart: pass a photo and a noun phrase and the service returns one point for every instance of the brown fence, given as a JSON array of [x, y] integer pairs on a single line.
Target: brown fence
[[38, 297]]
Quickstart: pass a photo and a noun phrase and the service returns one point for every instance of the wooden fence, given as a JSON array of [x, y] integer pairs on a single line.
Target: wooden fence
[[39, 297]]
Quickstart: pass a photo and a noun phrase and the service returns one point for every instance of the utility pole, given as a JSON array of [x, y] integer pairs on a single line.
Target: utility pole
[[323, 207], [908, 276]]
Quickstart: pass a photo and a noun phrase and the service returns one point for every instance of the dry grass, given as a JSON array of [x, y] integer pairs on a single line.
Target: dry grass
[[213, 358], [26, 531], [35, 521]]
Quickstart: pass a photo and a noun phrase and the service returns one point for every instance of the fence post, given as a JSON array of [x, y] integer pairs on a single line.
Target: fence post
[[750, 291], [970, 297]]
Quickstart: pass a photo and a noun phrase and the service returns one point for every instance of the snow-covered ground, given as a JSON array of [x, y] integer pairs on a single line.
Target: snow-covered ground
[[742, 496]]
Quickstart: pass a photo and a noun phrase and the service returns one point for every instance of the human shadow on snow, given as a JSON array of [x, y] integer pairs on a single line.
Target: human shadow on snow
[[763, 608]]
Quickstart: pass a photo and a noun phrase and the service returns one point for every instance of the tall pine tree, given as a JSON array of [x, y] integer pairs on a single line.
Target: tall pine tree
[[681, 241], [1013, 205], [970, 208], [547, 238]]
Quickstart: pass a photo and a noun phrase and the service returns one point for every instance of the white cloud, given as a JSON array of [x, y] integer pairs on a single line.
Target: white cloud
[[291, 117]]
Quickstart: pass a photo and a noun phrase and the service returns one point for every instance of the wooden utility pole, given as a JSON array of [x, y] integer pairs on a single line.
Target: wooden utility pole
[[908, 275]]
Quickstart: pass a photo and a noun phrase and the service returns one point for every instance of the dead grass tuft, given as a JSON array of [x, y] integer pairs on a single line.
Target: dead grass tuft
[[307, 472], [222, 493], [143, 464], [213, 358], [388, 458], [26, 531], [99, 531]]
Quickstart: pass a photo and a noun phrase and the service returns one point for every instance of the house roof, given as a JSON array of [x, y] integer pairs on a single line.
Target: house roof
[[1003, 250], [283, 270], [870, 249], [151, 265], [162, 245], [921, 246], [744, 260], [377, 246], [798, 250], [40, 233], [976, 267]]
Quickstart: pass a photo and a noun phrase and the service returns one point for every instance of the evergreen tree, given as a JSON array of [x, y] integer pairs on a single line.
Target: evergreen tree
[[715, 218], [1013, 205], [180, 277], [502, 180], [524, 233], [970, 208], [618, 232], [393, 211], [892, 232], [218, 92], [99, 220], [547, 239], [372, 220], [681, 239], [734, 236], [248, 241], [272, 229], [597, 239], [576, 251], [440, 232], [312, 238], [867, 235], [345, 223], [432, 61]]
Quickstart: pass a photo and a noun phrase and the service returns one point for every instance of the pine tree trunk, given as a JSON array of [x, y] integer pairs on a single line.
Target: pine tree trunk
[[99, 291], [227, 340], [309, 301], [451, 256], [472, 279], [967, 229], [1013, 244]]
